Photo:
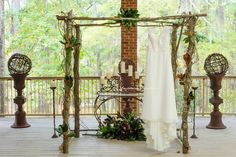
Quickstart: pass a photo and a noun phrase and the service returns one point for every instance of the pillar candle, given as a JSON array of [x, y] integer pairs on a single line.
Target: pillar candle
[[102, 79], [109, 75], [130, 70], [122, 67], [194, 84], [141, 81], [53, 83], [136, 74]]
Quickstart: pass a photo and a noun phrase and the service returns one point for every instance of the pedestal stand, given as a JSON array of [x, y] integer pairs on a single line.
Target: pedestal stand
[[194, 112], [54, 112], [20, 115], [216, 100]]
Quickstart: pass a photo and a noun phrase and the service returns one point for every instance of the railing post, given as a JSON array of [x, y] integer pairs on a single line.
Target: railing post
[[2, 95], [203, 96]]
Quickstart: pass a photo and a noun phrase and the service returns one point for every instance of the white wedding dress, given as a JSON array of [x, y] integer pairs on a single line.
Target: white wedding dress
[[159, 107]]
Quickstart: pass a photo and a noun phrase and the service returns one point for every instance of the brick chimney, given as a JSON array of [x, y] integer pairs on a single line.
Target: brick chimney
[[129, 45], [129, 38]]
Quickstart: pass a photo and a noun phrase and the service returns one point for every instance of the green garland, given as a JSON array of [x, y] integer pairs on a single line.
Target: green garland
[[69, 44], [69, 47], [128, 13]]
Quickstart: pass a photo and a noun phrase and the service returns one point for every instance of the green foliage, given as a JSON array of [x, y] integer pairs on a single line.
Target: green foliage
[[69, 44], [191, 95], [123, 127], [37, 34], [70, 80], [130, 13], [201, 38], [194, 36], [61, 129]]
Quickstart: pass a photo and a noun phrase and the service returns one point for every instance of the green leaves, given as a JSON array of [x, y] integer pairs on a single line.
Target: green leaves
[[200, 38], [63, 128], [129, 13], [69, 42], [191, 95], [191, 36], [70, 80], [123, 127]]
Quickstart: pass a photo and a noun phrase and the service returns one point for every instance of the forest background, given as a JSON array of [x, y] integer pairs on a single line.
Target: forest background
[[30, 27]]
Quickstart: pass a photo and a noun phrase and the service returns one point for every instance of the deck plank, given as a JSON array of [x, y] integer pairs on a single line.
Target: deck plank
[[36, 141]]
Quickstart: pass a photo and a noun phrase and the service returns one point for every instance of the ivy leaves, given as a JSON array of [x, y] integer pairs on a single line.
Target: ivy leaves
[[63, 128], [191, 36], [69, 42], [128, 13]]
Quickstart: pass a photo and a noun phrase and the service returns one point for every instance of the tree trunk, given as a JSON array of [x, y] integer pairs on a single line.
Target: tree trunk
[[99, 64], [14, 20], [46, 49], [220, 19], [2, 60], [45, 3], [184, 6], [207, 24], [234, 22]]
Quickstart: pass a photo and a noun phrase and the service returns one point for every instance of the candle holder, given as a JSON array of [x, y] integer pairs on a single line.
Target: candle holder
[[127, 77], [216, 65], [111, 84], [19, 66], [194, 112], [127, 82], [53, 88]]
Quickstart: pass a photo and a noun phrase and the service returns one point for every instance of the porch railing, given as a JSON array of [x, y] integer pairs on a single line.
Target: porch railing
[[39, 96]]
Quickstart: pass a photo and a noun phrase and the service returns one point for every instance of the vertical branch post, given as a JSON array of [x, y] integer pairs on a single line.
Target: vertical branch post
[[67, 81], [76, 82], [174, 50], [188, 56]]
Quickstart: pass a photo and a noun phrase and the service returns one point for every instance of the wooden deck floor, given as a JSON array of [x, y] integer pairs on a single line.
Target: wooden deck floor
[[36, 142]]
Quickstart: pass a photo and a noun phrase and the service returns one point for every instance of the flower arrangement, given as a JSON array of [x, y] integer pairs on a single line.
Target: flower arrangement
[[122, 127]]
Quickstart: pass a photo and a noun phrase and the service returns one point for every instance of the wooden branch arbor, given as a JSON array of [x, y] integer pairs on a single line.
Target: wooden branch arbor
[[72, 42]]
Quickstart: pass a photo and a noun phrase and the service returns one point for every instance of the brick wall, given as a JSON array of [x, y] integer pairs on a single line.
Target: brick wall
[[129, 38], [129, 43]]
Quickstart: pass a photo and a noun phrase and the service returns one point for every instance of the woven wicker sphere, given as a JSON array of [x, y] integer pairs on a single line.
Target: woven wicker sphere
[[216, 64], [19, 64]]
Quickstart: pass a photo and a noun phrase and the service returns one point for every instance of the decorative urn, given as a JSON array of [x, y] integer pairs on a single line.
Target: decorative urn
[[19, 66], [216, 66]]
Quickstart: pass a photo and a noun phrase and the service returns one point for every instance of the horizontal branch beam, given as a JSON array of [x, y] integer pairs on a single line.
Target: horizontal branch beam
[[97, 25], [157, 25], [143, 19]]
